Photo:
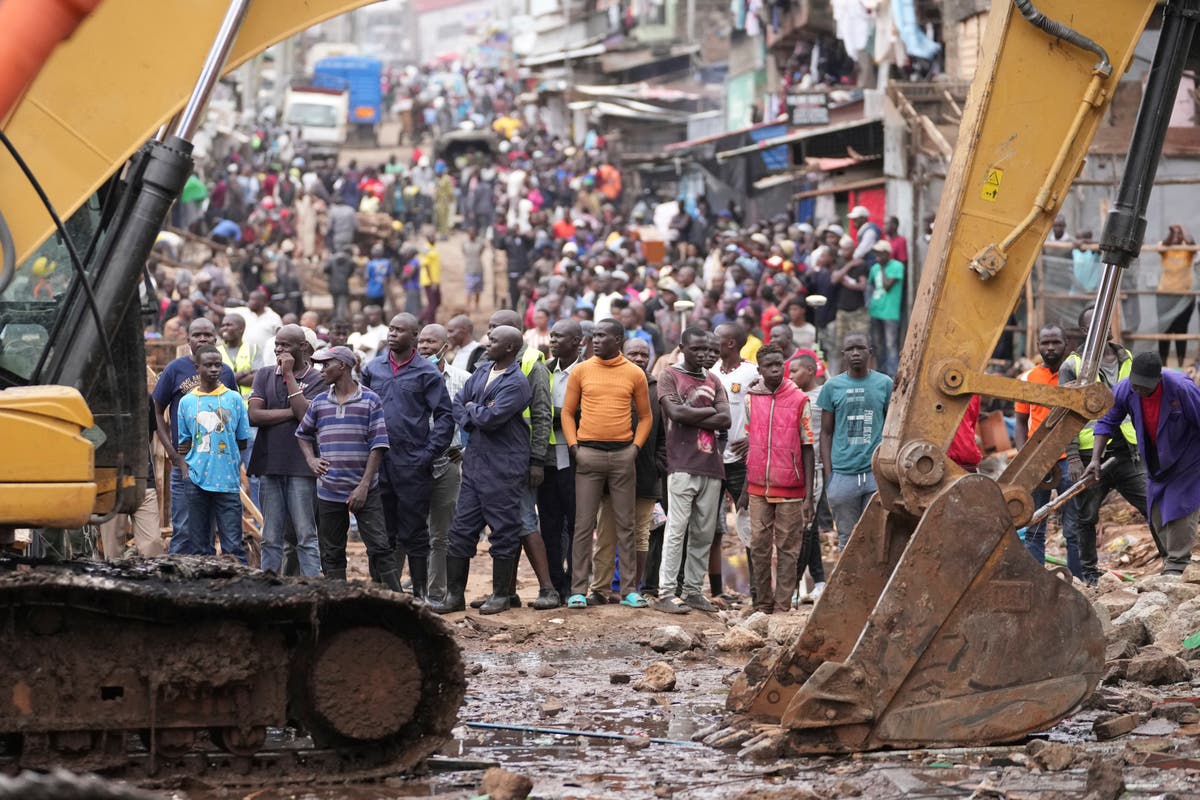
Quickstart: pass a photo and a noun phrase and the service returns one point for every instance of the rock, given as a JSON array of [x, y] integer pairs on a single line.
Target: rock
[[782, 628], [1105, 781], [1183, 713], [846, 789], [1191, 574], [740, 639], [619, 677], [1131, 630], [1157, 669], [636, 742], [659, 677], [1183, 621], [670, 639], [757, 622], [1152, 608], [1137, 700], [1177, 590], [1109, 582], [474, 668], [767, 746], [500, 784], [1117, 602], [1156, 728], [545, 671], [551, 707], [1120, 649], [1117, 726], [1106, 623], [1051, 756]]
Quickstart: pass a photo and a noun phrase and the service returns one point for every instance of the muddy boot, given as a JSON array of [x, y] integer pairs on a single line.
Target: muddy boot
[[418, 568], [335, 574], [547, 599], [504, 579], [457, 570], [391, 579]]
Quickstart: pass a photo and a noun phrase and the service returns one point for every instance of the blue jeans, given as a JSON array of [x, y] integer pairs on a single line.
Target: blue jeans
[[1035, 536], [179, 511], [205, 508], [291, 497], [848, 496]]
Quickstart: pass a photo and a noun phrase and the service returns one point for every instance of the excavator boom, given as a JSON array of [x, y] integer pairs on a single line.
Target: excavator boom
[[937, 627]]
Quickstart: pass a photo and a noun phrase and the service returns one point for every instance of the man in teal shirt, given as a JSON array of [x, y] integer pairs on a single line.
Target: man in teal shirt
[[886, 284], [853, 406]]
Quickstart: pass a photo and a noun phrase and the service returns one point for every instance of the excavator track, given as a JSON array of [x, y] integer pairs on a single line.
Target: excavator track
[[156, 669]]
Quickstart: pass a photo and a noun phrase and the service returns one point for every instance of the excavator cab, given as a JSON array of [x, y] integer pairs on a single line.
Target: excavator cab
[[936, 627]]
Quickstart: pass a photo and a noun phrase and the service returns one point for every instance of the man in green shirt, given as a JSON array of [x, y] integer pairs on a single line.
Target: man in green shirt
[[886, 285]]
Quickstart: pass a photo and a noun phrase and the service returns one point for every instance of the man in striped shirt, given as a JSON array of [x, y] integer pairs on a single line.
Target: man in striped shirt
[[347, 424]]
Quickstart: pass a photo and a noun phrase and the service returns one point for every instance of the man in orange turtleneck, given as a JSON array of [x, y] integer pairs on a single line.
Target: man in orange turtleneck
[[604, 447]]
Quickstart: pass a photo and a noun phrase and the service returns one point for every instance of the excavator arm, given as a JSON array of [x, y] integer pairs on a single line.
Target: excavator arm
[[936, 626], [98, 114]]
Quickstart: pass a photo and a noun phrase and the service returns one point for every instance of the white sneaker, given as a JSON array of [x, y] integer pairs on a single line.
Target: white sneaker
[[799, 596], [816, 592]]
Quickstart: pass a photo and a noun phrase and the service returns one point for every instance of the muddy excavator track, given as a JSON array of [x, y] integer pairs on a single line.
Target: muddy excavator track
[[156, 669]]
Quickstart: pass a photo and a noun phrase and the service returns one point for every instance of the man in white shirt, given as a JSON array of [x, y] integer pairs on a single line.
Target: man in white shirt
[[462, 337], [735, 374], [261, 320]]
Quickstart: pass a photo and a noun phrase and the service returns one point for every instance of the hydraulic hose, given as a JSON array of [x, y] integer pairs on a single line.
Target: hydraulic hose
[[1061, 31], [8, 255]]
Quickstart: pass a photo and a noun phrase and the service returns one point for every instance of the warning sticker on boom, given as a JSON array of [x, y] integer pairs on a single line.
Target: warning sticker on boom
[[991, 186]]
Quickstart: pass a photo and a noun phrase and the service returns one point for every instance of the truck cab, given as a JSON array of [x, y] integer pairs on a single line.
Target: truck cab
[[319, 115], [362, 78]]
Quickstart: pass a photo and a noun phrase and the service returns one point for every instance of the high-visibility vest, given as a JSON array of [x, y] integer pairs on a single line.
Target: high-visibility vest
[[246, 356], [1087, 436], [531, 357]]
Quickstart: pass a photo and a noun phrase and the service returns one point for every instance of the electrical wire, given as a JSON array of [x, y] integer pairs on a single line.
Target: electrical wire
[[89, 294]]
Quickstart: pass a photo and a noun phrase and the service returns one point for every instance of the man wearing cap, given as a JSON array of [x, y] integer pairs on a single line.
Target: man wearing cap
[[1165, 408], [866, 233], [279, 397], [348, 426], [885, 282]]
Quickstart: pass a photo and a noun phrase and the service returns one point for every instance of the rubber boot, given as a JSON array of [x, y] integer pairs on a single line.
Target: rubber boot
[[547, 599], [335, 574], [457, 570], [514, 601], [418, 569], [504, 579], [391, 579], [382, 570]]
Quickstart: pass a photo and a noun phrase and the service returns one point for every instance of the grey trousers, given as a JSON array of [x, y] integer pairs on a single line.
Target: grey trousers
[[1177, 538], [441, 512], [691, 512]]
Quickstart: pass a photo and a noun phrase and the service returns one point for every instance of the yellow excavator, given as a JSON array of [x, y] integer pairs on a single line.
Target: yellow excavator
[[936, 627], [200, 660]]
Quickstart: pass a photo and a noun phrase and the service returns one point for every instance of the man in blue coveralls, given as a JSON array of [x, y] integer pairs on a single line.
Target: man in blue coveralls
[[420, 424], [495, 473]]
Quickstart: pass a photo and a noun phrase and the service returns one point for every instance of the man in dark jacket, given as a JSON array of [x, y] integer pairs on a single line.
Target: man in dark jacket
[[339, 268], [420, 425], [490, 409]]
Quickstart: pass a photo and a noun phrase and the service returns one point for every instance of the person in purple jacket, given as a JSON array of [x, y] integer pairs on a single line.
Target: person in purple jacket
[[1165, 408]]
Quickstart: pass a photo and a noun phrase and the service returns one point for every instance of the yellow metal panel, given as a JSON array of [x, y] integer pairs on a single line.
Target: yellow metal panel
[[54, 505], [40, 447], [1026, 94], [127, 70]]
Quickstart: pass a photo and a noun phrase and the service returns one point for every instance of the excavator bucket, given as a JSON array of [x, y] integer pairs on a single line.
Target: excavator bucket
[[968, 642], [937, 627]]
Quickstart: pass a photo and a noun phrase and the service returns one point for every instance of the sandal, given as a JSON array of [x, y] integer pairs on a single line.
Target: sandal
[[671, 605], [577, 601], [634, 600]]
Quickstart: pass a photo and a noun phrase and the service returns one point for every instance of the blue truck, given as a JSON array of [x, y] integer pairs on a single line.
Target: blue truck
[[362, 77]]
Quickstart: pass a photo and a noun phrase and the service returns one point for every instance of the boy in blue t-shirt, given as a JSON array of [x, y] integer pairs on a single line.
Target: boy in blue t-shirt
[[379, 269], [213, 430]]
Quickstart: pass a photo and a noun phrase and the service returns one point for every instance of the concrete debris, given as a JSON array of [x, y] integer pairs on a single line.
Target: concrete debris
[[545, 671], [500, 784], [758, 622], [659, 677], [619, 677], [1191, 573], [1182, 622], [1181, 712], [1105, 780], [670, 639], [740, 639], [1155, 727], [1051, 756], [1120, 649], [1117, 602], [1157, 669], [1132, 630], [783, 628], [1116, 726], [551, 707], [1152, 608], [1178, 591], [1109, 582], [636, 742]]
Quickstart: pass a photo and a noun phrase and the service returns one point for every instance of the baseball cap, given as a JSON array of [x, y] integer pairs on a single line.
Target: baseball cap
[[339, 353], [882, 247], [859, 212], [1146, 370]]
